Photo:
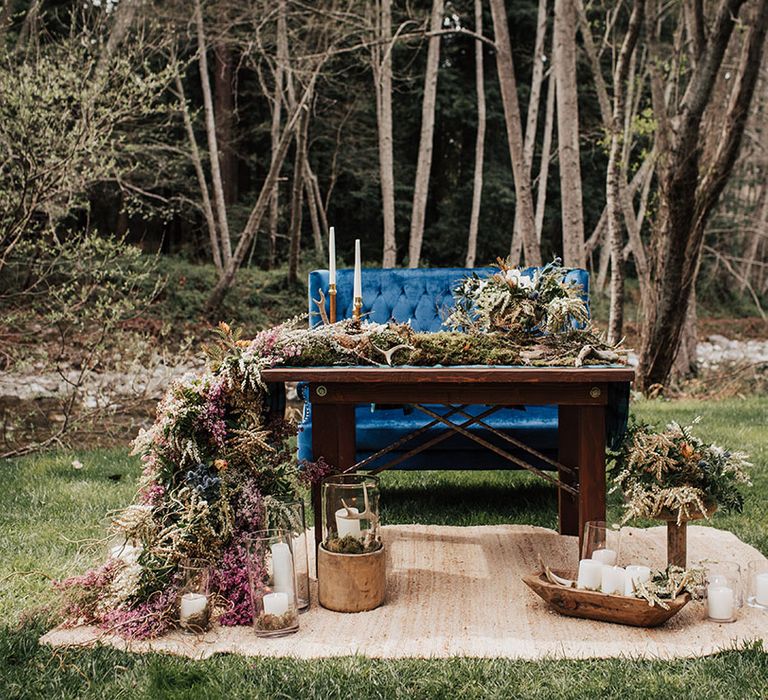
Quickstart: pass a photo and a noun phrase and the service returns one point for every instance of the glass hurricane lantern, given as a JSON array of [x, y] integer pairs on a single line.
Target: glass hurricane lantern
[[351, 513], [194, 596], [273, 583], [351, 561]]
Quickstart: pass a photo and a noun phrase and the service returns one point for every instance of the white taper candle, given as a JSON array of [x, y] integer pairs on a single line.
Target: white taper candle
[[332, 256], [358, 288]]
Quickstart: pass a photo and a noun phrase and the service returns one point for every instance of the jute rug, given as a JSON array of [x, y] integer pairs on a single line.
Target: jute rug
[[457, 591]]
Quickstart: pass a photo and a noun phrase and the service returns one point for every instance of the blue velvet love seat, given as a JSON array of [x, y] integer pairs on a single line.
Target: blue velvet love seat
[[422, 297]]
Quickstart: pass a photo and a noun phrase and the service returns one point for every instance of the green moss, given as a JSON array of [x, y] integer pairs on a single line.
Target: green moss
[[350, 545]]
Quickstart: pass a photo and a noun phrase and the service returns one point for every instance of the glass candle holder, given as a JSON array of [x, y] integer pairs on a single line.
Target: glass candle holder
[[602, 542], [724, 597], [351, 520], [290, 516], [757, 584], [273, 583], [194, 597]]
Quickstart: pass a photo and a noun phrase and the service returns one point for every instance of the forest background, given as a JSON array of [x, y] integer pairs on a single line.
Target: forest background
[[164, 165]]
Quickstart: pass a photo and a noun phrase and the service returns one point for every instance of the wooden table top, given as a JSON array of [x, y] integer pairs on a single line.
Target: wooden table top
[[452, 375]]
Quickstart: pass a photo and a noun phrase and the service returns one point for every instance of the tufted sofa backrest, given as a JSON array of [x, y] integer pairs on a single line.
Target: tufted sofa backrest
[[421, 296]]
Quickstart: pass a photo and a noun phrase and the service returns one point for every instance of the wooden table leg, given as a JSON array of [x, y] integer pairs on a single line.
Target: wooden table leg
[[333, 438], [582, 443], [567, 454]]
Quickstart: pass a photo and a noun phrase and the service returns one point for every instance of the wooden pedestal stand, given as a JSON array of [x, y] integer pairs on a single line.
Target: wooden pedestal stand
[[351, 582], [677, 536]]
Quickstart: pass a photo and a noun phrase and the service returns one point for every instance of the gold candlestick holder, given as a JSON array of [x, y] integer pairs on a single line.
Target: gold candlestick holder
[[332, 299], [357, 307]]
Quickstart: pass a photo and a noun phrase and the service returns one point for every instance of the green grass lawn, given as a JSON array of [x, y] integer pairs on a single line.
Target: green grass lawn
[[52, 517]]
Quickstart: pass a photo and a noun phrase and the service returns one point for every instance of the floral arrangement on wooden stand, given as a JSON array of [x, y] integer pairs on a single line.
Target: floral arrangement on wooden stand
[[217, 458], [675, 476]]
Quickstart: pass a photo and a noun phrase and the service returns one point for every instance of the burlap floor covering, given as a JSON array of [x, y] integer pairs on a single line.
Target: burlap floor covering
[[457, 591]]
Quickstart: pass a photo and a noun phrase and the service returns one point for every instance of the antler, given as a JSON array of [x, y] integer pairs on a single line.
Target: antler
[[321, 307], [389, 353], [366, 514]]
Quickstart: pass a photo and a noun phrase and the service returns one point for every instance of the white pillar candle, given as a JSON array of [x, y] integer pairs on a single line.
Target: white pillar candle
[[358, 286], [613, 580], [332, 256], [761, 589], [275, 603], [605, 556], [346, 525], [282, 568], [720, 603], [192, 605], [635, 574], [590, 574]]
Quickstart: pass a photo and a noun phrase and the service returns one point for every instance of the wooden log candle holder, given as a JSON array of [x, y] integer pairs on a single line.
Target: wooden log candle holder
[[351, 582]]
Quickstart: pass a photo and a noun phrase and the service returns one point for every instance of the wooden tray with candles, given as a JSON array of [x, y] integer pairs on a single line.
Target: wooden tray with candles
[[594, 605]]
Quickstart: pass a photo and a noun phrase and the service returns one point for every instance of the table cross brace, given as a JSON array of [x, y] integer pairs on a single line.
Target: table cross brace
[[499, 451]]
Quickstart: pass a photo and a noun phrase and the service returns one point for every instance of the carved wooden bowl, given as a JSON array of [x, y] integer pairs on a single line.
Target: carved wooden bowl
[[593, 605]]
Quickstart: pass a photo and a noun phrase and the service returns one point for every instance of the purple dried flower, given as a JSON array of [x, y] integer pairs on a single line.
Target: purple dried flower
[[231, 581], [311, 473]]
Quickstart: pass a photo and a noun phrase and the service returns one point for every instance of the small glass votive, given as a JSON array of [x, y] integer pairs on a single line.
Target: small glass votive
[[724, 597], [290, 515], [602, 542], [273, 583], [757, 584], [194, 597]]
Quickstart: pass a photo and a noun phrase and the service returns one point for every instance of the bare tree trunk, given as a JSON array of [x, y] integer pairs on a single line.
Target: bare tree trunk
[[382, 75], [506, 70], [125, 12], [224, 112], [760, 230], [29, 28], [424, 162], [254, 219], [6, 16], [312, 206], [197, 163], [210, 128], [546, 150], [568, 133], [277, 106], [477, 185], [532, 120], [691, 182], [296, 200], [614, 174], [686, 362], [321, 213]]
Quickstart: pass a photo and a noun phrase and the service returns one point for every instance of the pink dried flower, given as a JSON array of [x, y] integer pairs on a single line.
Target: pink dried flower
[[148, 619]]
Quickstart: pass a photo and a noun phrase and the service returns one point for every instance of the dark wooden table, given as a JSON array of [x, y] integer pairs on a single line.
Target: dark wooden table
[[581, 395]]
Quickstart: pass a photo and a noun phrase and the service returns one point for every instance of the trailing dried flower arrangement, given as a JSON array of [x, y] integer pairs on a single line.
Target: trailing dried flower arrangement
[[673, 471]]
